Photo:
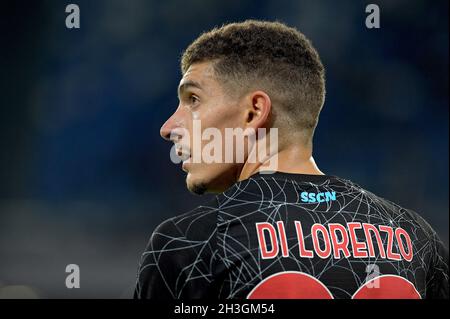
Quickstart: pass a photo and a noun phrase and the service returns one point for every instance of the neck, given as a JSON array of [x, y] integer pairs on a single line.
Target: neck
[[295, 160]]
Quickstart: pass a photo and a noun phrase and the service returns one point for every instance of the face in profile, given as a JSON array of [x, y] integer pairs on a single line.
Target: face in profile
[[203, 104]]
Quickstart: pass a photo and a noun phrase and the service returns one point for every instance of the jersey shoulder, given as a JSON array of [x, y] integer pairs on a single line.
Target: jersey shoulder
[[196, 224]]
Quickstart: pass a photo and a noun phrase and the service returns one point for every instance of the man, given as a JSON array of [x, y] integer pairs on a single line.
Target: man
[[279, 227]]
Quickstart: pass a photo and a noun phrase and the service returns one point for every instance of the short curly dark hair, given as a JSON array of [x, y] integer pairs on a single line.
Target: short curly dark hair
[[270, 56]]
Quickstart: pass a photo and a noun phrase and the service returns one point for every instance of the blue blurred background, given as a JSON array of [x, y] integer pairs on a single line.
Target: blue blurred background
[[84, 175]]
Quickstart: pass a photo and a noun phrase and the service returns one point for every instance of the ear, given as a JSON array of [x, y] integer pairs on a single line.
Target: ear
[[258, 110]]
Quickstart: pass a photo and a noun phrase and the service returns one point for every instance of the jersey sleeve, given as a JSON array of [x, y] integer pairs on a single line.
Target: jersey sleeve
[[178, 262], [438, 282]]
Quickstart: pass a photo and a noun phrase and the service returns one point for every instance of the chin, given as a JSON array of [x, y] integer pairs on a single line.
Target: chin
[[196, 186], [210, 180]]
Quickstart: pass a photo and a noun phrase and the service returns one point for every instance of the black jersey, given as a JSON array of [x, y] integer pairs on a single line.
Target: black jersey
[[294, 236]]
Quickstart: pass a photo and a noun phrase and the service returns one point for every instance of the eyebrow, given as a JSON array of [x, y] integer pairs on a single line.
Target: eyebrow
[[185, 85]]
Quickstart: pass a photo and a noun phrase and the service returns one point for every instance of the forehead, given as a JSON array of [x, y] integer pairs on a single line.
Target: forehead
[[201, 73]]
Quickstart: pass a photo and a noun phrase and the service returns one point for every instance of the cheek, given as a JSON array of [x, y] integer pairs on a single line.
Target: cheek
[[195, 115], [220, 116]]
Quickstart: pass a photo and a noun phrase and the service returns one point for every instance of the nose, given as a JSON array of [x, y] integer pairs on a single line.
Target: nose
[[170, 127]]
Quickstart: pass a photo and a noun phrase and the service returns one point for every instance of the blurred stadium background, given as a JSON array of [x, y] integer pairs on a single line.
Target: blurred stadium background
[[84, 175]]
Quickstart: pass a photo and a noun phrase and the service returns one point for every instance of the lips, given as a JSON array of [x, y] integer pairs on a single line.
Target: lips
[[185, 155], [182, 152]]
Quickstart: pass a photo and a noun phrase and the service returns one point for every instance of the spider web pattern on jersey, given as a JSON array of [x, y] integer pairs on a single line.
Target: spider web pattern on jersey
[[226, 253]]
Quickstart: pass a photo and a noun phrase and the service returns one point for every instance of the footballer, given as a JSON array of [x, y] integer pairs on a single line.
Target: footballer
[[278, 227]]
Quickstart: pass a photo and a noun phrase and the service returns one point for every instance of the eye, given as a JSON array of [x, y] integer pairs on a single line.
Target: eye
[[193, 99]]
